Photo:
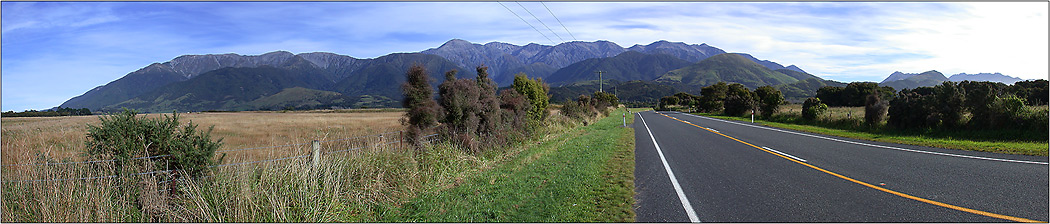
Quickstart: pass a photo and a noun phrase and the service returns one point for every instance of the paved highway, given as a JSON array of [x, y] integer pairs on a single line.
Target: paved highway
[[725, 171]]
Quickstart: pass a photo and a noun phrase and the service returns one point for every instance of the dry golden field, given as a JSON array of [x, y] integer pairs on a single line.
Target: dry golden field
[[26, 139]]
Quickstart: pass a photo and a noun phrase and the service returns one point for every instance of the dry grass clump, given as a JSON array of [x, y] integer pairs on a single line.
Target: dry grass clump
[[352, 186]]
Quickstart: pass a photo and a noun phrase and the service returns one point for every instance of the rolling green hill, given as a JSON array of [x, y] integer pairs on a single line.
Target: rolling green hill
[[730, 68], [629, 65]]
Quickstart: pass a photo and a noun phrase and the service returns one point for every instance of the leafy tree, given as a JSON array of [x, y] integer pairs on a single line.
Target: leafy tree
[[536, 91], [949, 104], [770, 99], [124, 136], [1035, 92], [813, 108], [712, 97], [979, 99], [832, 95], [739, 100], [423, 112]]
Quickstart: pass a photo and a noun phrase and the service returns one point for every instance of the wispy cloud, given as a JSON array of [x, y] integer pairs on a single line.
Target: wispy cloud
[[71, 47]]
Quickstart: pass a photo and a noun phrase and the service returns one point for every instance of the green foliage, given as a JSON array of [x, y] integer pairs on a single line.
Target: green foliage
[[124, 136], [712, 98], [832, 95], [949, 104], [769, 100], [854, 94], [536, 91], [739, 100], [423, 112], [604, 100], [1035, 92], [61, 111], [875, 110], [813, 108]]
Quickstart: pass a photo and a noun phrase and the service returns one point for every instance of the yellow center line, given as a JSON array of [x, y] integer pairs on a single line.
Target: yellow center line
[[928, 201]]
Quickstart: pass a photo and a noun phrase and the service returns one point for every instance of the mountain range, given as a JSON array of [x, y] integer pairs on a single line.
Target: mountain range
[[280, 79], [899, 80]]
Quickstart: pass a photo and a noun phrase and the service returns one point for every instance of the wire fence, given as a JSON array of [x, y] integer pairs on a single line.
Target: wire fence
[[427, 139]]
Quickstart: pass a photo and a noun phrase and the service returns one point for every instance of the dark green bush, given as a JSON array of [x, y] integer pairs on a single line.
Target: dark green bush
[[739, 100], [423, 112], [124, 136], [813, 108], [769, 100]]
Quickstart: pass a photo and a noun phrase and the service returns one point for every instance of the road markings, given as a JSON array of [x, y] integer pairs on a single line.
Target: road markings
[[928, 201], [877, 146], [782, 153], [674, 181]]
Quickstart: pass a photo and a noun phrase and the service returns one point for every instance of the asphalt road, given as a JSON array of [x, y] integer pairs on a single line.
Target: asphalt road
[[737, 172]]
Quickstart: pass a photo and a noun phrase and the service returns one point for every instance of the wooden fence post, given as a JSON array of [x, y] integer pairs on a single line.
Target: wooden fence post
[[316, 154]]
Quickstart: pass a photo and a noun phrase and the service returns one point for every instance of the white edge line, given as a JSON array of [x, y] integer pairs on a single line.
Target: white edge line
[[674, 182], [785, 154], [879, 146]]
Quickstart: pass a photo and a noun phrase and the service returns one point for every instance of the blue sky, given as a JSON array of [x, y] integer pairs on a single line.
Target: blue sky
[[53, 51]]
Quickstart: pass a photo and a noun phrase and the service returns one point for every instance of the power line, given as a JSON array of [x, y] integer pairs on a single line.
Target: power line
[[526, 22], [559, 21], [541, 21]]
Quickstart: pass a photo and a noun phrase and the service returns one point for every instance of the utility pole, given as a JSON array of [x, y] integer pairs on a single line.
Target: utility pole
[[600, 80]]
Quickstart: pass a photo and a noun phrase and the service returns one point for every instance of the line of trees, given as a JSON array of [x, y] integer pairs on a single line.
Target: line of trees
[[991, 105], [950, 105], [730, 99], [967, 104], [469, 113], [61, 111]]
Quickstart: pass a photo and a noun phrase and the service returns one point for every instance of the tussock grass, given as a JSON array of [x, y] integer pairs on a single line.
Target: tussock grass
[[373, 184]]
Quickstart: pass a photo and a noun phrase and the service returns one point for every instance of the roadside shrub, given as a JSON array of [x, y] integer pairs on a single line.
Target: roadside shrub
[[536, 91], [488, 103], [124, 136], [514, 109], [603, 100], [813, 108], [1007, 112], [712, 97], [459, 99], [423, 112], [739, 100], [949, 104], [874, 110], [770, 99], [576, 110]]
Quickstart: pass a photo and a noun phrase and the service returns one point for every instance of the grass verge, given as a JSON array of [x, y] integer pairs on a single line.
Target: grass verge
[[942, 141], [582, 175]]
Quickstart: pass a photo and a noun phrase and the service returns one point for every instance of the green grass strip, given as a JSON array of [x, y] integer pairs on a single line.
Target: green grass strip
[[583, 175], [1007, 147]]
